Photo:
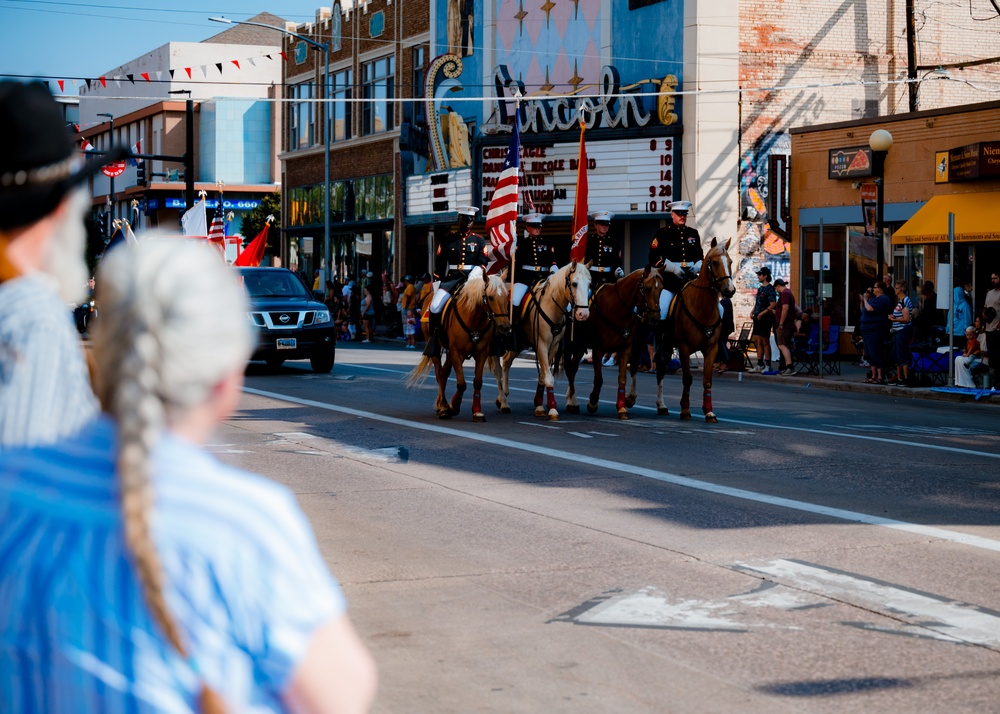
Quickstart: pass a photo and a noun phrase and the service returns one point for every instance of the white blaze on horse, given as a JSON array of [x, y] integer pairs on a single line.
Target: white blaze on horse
[[471, 321], [544, 313], [694, 325], [620, 315]]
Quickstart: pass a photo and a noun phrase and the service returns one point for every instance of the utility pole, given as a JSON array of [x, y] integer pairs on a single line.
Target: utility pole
[[911, 57], [188, 148], [111, 179]]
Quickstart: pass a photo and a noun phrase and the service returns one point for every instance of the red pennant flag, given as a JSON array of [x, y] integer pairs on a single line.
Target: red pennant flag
[[62, 85], [578, 251], [236, 62], [104, 82], [284, 56], [252, 254], [188, 70], [145, 75]]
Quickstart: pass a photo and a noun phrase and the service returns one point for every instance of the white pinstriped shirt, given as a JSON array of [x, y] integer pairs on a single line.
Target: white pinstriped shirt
[[245, 581], [44, 387]]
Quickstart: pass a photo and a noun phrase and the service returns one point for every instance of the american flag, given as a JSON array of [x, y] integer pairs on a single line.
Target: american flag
[[217, 231], [501, 219]]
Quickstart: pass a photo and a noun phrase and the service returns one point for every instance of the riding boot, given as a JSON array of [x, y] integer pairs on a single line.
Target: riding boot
[[513, 341], [663, 351], [433, 346]]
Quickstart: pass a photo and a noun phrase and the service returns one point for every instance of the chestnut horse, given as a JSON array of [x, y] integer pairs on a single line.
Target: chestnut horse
[[617, 311], [544, 313], [693, 325], [471, 320]]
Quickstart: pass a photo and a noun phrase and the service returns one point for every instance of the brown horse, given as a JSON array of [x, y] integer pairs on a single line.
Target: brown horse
[[544, 314], [693, 326], [469, 323], [617, 311]]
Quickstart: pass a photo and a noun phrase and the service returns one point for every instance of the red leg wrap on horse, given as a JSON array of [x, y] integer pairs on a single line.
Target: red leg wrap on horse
[[551, 398], [476, 402], [620, 404], [538, 395]]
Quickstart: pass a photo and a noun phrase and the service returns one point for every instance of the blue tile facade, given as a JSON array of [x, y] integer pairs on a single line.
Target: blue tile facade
[[235, 142]]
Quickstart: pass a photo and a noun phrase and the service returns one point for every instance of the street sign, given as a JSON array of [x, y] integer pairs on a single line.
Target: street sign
[[115, 169]]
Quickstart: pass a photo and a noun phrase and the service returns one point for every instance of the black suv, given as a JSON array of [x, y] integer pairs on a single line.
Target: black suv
[[290, 323]]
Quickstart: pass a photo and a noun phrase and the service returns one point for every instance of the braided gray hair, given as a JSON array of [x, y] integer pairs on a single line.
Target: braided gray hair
[[173, 325]]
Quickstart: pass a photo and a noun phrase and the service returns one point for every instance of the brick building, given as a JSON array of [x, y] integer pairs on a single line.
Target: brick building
[[377, 56]]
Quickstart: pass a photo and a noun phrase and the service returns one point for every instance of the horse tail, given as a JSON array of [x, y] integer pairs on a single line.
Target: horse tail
[[419, 373]]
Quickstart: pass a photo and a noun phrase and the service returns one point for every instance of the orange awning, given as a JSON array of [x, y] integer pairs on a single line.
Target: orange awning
[[977, 218]]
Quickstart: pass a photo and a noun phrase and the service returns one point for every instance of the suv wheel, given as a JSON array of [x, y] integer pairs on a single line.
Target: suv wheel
[[322, 363]]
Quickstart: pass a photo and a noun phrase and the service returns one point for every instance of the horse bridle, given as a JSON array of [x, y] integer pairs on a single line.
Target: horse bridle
[[709, 330], [556, 329], [476, 335]]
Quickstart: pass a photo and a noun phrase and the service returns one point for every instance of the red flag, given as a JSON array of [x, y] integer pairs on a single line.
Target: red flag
[[188, 70], [252, 254], [62, 85], [501, 219], [236, 62], [578, 249], [145, 75], [104, 82]]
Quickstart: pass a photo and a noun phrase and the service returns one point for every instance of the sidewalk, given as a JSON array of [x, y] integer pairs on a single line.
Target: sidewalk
[[852, 379]]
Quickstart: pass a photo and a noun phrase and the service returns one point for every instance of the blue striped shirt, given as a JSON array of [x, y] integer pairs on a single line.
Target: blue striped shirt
[[244, 580], [44, 387]]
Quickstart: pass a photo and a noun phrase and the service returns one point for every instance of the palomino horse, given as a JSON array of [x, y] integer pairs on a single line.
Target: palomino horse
[[693, 326], [617, 310], [544, 313], [471, 321]]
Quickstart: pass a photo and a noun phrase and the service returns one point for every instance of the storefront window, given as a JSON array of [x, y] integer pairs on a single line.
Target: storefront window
[[832, 291]]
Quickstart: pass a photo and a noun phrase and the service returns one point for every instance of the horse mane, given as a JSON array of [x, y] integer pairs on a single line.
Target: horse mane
[[468, 296]]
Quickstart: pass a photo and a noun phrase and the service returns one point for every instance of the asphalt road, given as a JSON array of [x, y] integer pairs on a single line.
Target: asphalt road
[[815, 551]]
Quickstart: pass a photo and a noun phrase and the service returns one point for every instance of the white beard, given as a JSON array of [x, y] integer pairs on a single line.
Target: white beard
[[64, 255]]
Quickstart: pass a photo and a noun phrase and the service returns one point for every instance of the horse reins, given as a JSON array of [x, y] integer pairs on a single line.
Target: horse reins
[[709, 330]]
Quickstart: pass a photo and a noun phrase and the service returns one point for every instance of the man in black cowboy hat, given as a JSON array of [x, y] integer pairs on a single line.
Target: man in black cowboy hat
[[457, 255], [44, 388]]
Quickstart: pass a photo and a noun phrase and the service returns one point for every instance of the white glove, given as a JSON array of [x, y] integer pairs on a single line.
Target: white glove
[[619, 273], [696, 267], [553, 268], [673, 268]]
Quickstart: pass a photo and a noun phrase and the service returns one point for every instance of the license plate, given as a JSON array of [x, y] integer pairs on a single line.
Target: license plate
[[286, 343]]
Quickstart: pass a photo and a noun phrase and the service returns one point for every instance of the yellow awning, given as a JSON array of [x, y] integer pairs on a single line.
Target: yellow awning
[[977, 217]]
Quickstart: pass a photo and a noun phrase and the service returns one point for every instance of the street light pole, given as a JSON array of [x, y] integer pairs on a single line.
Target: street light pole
[[111, 179], [880, 142], [327, 121]]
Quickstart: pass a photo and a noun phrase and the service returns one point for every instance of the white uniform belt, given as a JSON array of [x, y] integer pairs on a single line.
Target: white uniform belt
[[533, 268], [598, 269], [460, 266]]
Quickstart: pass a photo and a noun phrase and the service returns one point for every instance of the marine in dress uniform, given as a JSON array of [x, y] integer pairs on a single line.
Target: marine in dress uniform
[[535, 257], [677, 249], [458, 254], [605, 251]]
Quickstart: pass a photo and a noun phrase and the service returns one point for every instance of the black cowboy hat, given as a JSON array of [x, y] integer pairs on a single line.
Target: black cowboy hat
[[40, 163]]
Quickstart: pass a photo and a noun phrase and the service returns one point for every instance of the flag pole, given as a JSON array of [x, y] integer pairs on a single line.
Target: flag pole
[[520, 168]]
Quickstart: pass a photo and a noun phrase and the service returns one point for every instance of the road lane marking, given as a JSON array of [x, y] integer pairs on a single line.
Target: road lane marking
[[948, 619], [579, 435], [664, 476], [807, 430]]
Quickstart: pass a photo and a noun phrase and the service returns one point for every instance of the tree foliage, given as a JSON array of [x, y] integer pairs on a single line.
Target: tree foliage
[[253, 223]]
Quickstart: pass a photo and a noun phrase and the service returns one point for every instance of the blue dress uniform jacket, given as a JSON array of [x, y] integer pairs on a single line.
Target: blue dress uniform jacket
[[456, 258], [606, 254], [534, 258], [680, 245]]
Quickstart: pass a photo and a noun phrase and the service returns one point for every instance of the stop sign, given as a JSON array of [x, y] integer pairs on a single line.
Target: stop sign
[[115, 169]]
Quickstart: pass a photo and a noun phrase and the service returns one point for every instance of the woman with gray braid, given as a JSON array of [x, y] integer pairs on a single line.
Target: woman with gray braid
[[137, 573]]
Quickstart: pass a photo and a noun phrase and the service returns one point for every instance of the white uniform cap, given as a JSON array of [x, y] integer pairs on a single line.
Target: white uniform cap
[[533, 218], [602, 216], [468, 211], [680, 206]]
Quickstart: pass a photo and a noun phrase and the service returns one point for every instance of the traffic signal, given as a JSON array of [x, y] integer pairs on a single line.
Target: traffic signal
[[104, 222], [140, 173]]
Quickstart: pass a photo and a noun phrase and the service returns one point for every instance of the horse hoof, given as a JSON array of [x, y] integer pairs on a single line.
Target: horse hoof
[[685, 416], [663, 411], [572, 408], [478, 417], [539, 411], [630, 402], [711, 418], [553, 415], [623, 414], [499, 405], [591, 408], [444, 413], [505, 410]]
